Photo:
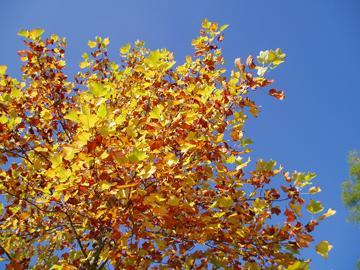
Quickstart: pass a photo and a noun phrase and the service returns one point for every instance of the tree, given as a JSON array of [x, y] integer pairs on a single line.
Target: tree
[[143, 164], [351, 188]]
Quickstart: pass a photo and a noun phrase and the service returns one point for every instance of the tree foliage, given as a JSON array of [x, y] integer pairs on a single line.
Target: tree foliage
[[144, 164], [351, 188]]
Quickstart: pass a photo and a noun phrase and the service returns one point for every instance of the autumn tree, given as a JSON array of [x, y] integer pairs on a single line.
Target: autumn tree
[[144, 163]]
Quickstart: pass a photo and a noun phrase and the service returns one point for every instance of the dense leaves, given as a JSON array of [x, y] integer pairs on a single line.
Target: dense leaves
[[144, 164], [351, 188]]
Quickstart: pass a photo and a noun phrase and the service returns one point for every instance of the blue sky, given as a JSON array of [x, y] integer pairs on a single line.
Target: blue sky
[[312, 129]]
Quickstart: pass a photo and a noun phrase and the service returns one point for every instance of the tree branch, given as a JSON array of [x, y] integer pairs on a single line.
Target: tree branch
[[78, 239], [6, 253]]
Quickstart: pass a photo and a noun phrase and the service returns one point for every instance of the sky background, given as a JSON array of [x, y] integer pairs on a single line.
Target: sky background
[[313, 129]]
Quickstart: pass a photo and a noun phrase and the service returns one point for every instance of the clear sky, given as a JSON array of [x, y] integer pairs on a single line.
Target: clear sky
[[312, 129]]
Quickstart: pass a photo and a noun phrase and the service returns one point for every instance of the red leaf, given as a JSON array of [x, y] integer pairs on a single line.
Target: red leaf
[[290, 215]]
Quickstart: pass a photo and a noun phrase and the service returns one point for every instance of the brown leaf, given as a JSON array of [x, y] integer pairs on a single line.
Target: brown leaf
[[277, 94], [239, 65], [250, 62]]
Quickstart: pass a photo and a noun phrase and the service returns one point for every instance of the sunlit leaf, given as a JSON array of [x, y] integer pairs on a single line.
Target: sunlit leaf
[[314, 207], [323, 248], [137, 155], [92, 44], [3, 70], [125, 49], [330, 212], [98, 89]]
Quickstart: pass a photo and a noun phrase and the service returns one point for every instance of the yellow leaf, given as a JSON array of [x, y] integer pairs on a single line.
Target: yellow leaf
[[128, 185], [56, 160], [125, 49], [219, 214], [84, 64], [137, 155], [98, 89], [63, 174], [156, 113], [225, 202], [72, 115], [173, 201], [314, 207], [299, 265], [3, 70], [230, 159], [91, 44], [161, 244], [69, 152], [82, 138], [296, 208], [36, 33], [329, 213], [3, 119], [62, 63], [148, 171], [259, 205], [106, 41], [31, 34], [101, 111], [314, 190], [323, 248], [88, 121], [103, 185]]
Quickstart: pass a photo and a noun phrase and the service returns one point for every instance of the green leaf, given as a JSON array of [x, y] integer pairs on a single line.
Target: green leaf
[[137, 156], [299, 265], [125, 49], [23, 33], [314, 207], [98, 89], [302, 179], [3, 70], [223, 27], [323, 248], [31, 34]]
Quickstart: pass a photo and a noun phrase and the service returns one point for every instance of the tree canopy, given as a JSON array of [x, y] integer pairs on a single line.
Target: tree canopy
[[351, 188], [144, 163]]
